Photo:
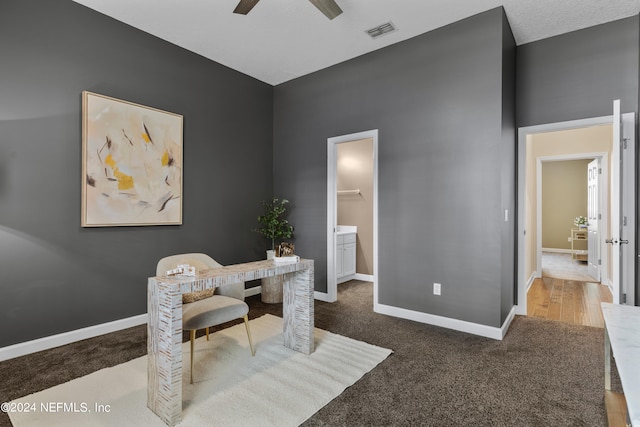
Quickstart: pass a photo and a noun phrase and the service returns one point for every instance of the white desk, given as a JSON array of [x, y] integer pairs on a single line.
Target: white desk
[[164, 341], [622, 336]]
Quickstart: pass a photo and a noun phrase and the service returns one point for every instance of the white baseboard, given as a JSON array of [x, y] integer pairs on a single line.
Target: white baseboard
[[521, 308], [364, 277], [53, 341], [532, 279], [252, 291], [323, 296], [559, 251], [446, 322]]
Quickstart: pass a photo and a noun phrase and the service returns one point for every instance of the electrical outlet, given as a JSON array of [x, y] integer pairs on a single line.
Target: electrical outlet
[[569, 239], [437, 287]]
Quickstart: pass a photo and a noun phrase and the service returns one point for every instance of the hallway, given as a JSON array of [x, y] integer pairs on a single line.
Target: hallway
[[566, 292]]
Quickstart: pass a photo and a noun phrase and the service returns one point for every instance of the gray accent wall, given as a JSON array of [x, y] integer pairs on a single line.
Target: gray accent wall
[[57, 276], [578, 75], [443, 104]]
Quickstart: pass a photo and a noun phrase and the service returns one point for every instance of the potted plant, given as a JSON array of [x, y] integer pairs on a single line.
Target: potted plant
[[580, 221], [273, 223]]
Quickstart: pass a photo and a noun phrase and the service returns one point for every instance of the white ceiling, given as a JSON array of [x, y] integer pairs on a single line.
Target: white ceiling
[[280, 40]]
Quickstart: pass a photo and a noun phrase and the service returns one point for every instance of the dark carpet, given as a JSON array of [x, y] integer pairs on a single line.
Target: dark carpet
[[543, 373]]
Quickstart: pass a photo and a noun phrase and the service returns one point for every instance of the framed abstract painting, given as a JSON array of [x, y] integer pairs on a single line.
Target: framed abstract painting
[[131, 164]]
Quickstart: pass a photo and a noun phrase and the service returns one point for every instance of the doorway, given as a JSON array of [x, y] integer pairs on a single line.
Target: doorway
[[527, 231], [567, 192], [368, 256]]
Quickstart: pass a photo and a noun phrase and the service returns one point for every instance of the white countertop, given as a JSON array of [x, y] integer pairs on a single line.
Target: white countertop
[[346, 229], [623, 326]]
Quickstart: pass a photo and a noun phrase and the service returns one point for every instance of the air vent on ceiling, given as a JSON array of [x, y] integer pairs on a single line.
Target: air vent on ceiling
[[381, 30]]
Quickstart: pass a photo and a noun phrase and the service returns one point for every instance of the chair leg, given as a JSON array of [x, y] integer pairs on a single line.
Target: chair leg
[[192, 336], [246, 324]]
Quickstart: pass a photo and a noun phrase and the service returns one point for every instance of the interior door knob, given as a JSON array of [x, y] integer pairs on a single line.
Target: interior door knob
[[624, 242]]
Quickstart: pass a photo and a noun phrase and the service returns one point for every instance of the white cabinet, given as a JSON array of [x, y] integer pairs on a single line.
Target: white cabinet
[[345, 257]]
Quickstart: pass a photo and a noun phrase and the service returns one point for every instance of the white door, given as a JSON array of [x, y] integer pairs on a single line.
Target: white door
[[622, 241], [593, 218]]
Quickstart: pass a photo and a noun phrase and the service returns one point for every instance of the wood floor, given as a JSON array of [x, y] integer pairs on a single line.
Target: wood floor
[[568, 301]]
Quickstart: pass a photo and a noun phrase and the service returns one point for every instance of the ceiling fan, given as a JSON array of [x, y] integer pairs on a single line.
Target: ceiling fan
[[329, 7]]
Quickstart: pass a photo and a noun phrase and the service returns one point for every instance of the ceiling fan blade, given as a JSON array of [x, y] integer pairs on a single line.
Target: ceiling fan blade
[[329, 7], [245, 6]]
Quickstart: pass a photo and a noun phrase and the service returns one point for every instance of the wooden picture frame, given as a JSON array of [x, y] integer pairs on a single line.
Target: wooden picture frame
[[131, 164]]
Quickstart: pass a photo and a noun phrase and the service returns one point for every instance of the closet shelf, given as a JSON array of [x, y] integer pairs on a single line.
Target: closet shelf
[[343, 192]]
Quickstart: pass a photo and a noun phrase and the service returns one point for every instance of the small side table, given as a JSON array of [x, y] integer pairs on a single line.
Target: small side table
[[579, 234]]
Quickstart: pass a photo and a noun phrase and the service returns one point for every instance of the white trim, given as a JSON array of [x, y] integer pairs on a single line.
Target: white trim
[[364, 277], [559, 251], [64, 338], [602, 200], [521, 307], [344, 279], [252, 291], [496, 333], [323, 296], [332, 286], [532, 278]]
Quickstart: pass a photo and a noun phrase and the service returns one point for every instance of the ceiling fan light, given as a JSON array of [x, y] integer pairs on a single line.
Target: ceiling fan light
[[329, 7]]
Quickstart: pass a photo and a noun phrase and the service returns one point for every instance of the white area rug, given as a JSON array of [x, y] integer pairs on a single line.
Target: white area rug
[[277, 387]]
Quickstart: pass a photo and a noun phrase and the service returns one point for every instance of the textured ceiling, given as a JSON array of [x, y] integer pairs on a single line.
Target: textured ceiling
[[284, 39]]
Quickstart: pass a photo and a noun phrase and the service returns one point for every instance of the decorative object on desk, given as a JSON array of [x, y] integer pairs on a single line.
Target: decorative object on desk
[[285, 249], [286, 259], [580, 221], [131, 164], [284, 253], [274, 226], [182, 270]]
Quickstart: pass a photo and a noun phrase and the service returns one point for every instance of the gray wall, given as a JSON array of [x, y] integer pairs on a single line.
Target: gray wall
[[508, 229], [578, 75], [443, 103], [57, 276], [446, 163]]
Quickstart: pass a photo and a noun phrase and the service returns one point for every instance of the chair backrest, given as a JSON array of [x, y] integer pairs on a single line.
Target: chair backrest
[[200, 262]]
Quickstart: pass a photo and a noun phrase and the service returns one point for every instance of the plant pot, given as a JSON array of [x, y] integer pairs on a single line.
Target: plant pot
[[271, 254]]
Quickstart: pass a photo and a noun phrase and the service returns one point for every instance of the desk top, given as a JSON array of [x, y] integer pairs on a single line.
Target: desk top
[[214, 277], [623, 326]]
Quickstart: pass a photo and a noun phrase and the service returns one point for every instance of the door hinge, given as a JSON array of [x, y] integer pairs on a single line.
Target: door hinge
[[624, 221], [624, 298], [599, 216], [599, 262], [624, 143], [600, 171]]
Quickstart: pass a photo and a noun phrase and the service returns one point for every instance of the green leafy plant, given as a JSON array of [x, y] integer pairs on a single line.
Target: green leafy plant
[[273, 223], [580, 220]]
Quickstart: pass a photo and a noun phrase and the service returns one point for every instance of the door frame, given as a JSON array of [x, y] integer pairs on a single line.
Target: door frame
[[332, 208], [603, 200], [523, 283]]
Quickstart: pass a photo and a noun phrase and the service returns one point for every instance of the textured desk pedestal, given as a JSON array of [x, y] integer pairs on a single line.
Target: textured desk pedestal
[[164, 341]]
